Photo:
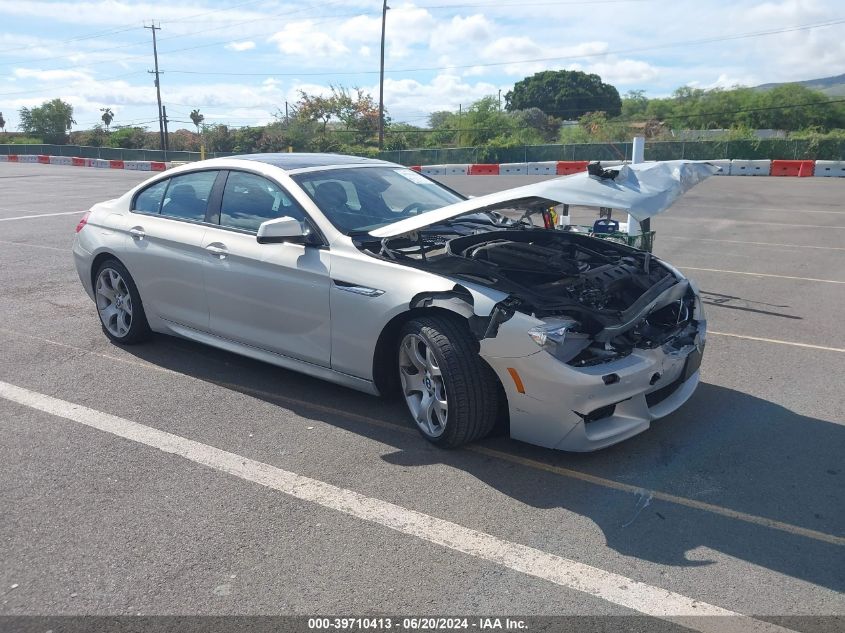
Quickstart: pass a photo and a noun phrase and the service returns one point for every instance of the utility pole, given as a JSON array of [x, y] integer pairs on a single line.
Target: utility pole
[[286, 113], [384, 9], [162, 137], [164, 120]]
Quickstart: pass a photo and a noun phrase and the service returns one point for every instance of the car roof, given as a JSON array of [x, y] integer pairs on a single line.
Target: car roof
[[305, 161]]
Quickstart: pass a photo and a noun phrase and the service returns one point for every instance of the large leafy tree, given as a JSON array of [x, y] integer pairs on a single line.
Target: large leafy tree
[[2, 122], [353, 111], [51, 121], [565, 94]]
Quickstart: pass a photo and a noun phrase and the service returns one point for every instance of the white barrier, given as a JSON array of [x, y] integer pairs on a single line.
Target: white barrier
[[455, 170], [548, 167], [61, 160], [4, 158], [724, 164], [98, 162], [27, 158], [750, 167], [830, 168], [137, 165], [513, 169], [433, 170]]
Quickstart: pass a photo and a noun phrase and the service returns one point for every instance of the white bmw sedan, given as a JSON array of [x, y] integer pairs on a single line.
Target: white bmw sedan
[[372, 276]]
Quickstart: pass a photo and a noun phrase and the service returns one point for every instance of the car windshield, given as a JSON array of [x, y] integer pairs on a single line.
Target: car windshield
[[365, 198]]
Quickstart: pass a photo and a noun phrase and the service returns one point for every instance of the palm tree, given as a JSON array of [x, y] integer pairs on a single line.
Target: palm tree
[[108, 116], [197, 118], [2, 123]]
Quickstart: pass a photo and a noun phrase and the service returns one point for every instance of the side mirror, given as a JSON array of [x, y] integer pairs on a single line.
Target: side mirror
[[284, 229]]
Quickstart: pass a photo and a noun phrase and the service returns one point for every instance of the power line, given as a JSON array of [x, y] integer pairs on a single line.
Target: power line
[[514, 61], [127, 27]]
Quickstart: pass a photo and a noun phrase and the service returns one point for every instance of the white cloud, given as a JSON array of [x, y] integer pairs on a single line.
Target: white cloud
[[461, 33], [444, 92], [239, 47], [49, 75], [305, 39]]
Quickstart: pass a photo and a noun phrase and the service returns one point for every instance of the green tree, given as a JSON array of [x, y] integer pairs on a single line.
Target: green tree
[[197, 118], [2, 123], [108, 117], [219, 138], [51, 121], [634, 104], [129, 138], [567, 94]]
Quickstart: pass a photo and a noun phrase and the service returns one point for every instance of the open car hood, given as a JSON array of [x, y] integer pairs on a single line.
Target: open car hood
[[643, 190]]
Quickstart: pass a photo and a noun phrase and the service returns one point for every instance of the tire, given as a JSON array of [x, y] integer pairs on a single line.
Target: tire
[[446, 369], [119, 304]]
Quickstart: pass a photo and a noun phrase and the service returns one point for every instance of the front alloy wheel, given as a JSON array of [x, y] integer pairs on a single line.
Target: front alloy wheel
[[451, 392], [423, 385]]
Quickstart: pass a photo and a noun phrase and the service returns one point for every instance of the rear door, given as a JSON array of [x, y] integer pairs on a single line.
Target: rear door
[[270, 296], [164, 250]]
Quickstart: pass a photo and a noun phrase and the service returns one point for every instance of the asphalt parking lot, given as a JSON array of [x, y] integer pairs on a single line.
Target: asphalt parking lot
[[735, 501]]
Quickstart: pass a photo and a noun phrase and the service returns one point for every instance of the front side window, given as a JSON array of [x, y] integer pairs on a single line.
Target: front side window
[[187, 196], [149, 200], [363, 199], [249, 200]]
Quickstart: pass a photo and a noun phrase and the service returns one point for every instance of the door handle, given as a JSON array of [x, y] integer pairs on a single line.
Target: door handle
[[218, 250], [137, 232]]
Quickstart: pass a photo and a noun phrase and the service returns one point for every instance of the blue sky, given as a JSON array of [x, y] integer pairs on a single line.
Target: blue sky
[[240, 61]]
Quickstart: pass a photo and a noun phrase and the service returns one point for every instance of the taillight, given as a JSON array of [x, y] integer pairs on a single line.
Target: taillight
[[83, 222]]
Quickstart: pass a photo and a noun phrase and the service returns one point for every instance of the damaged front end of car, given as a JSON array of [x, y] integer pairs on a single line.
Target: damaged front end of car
[[593, 339]]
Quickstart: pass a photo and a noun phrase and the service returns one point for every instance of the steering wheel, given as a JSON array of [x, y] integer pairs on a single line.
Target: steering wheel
[[416, 207]]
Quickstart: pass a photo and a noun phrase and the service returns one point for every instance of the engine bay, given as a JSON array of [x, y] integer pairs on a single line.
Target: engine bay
[[620, 297]]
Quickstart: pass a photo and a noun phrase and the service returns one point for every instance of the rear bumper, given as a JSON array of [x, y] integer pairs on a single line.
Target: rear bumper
[[589, 408], [82, 259]]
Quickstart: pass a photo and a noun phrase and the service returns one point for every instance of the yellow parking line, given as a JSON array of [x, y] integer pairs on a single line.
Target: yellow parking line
[[483, 450], [779, 342], [740, 272], [663, 496]]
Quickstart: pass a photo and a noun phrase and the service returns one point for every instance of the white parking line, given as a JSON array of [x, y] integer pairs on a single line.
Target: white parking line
[[740, 272], [50, 248], [42, 215], [708, 239], [614, 588], [757, 222], [779, 342], [786, 210], [278, 397]]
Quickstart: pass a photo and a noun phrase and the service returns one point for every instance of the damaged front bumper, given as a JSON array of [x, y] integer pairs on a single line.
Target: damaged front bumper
[[588, 408]]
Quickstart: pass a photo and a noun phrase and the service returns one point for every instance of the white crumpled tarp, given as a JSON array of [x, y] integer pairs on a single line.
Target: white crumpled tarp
[[643, 190]]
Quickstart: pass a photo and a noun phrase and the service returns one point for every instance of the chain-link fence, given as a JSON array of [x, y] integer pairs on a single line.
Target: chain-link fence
[[655, 150]]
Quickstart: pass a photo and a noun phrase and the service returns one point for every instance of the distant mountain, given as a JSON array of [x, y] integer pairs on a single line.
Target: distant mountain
[[831, 86]]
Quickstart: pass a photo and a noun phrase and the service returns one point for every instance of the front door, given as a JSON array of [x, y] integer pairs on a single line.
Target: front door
[[271, 296]]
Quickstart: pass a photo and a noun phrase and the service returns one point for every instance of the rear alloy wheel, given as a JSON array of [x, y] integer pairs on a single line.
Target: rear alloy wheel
[[118, 304], [450, 391]]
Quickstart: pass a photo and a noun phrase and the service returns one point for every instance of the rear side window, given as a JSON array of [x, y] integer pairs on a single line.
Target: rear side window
[[149, 200], [249, 200], [187, 196]]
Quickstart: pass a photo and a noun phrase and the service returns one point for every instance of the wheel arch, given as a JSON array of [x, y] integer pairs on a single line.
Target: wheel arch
[[98, 260], [384, 357]]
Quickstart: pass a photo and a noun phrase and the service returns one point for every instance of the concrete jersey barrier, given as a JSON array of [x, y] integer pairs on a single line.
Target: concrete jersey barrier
[[729, 167]]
